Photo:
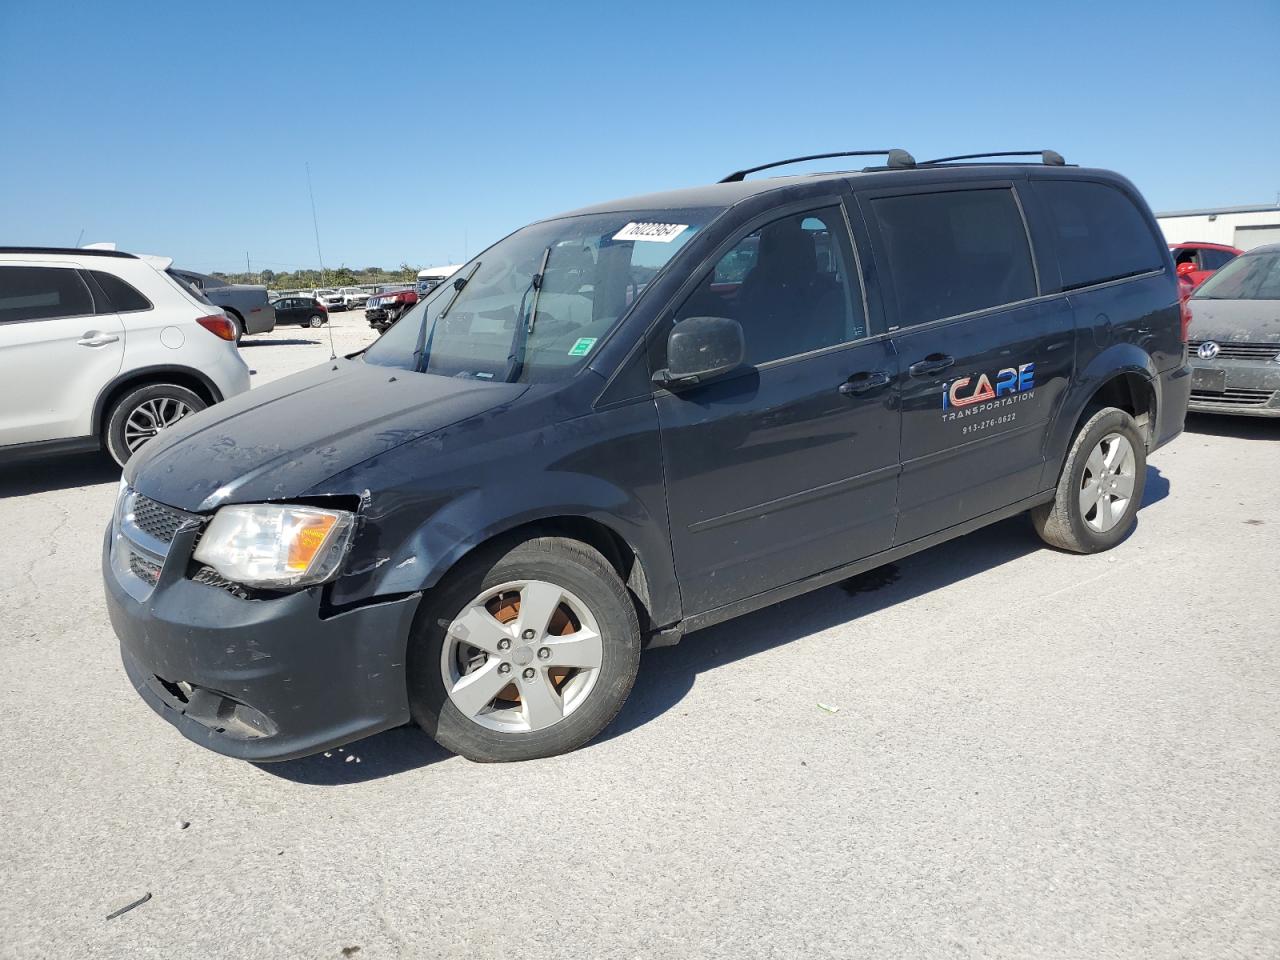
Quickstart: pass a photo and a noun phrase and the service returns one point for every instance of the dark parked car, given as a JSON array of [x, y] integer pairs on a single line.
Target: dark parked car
[[304, 311], [1235, 337], [621, 425]]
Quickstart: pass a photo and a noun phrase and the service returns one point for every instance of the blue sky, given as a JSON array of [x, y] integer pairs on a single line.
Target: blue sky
[[432, 129]]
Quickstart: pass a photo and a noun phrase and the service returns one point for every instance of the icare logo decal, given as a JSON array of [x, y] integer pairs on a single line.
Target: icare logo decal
[[964, 392]]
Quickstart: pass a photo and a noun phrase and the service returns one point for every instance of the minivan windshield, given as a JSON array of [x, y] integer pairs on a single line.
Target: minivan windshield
[[1254, 276], [532, 307]]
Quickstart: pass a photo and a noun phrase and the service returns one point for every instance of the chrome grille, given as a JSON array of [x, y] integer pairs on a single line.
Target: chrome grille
[[1239, 351], [157, 520], [144, 568], [1233, 397]]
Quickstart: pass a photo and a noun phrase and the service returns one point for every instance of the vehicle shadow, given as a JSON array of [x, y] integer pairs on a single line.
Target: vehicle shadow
[[668, 674], [292, 342], [382, 755], [1240, 428], [59, 472]]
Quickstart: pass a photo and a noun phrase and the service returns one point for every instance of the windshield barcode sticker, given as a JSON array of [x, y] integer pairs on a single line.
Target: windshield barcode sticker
[[582, 347], [653, 232]]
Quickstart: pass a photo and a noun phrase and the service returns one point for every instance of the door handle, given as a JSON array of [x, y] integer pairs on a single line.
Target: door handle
[[864, 382], [92, 338], [933, 363]]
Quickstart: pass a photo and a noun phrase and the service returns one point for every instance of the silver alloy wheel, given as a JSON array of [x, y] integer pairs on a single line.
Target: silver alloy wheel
[[150, 417], [317, 321], [521, 656], [1107, 485]]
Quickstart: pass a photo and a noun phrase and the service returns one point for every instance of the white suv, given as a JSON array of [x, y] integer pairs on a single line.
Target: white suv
[[102, 348]]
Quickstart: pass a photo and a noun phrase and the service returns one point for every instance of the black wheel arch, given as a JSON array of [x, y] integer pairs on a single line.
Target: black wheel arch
[[1125, 379], [188, 377], [621, 555]]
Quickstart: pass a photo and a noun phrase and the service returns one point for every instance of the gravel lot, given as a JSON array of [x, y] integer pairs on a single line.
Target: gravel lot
[[1034, 754]]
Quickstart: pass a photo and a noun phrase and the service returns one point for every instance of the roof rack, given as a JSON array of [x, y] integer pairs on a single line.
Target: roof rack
[[79, 251], [898, 159], [1050, 158]]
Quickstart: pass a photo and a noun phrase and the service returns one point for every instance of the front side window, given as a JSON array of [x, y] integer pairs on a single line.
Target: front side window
[[1101, 235], [42, 293], [791, 286], [1255, 276], [532, 307], [952, 253]]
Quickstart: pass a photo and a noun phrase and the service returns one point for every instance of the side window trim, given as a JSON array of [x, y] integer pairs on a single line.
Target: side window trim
[[888, 290], [655, 337]]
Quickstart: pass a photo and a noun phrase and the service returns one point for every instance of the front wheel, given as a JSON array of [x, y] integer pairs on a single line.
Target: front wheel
[[525, 653], [1096, 503], [142, 413]]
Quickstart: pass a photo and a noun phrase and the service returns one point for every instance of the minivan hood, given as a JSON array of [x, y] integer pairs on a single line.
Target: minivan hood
[[1249, 321], [279, 440]]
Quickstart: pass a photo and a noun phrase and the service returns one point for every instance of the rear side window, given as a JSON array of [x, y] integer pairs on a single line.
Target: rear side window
[[1215, 259], [1101, 234], [124, 297], [42, 293], [954, 252]]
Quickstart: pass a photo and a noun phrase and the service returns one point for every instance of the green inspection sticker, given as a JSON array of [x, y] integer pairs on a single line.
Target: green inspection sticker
[[582, 346]]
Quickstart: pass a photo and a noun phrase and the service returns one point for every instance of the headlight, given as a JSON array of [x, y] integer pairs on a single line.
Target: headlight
[[275, 547]]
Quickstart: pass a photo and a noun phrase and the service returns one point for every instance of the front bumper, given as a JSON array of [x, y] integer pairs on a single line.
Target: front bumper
[[1245, 388], [260, 680]]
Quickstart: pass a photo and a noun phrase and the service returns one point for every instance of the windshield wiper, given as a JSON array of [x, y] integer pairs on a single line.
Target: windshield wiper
[[515, 359], [422, 350]]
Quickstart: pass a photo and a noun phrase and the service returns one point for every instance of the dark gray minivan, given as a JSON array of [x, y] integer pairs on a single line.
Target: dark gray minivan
[[628, 422]]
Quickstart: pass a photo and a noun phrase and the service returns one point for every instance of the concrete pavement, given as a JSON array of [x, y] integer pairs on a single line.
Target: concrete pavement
[[1033, 754]]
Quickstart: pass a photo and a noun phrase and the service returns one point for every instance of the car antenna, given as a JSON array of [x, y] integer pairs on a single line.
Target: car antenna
[[315, 225]]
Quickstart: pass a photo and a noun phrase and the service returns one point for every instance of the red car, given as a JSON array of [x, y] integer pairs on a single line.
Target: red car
[[1195, 262], [384, 309]]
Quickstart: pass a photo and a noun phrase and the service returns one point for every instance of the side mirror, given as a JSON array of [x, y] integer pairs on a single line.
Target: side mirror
[[700, 349], [1186, 268]]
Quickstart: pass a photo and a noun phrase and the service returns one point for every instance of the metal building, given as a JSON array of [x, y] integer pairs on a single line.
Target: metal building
[[1243, 227]]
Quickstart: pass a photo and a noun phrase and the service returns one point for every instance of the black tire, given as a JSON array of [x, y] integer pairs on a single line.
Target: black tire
[[237, 321], [1062, 522], [114, 434], [568, 564], [316, 321]]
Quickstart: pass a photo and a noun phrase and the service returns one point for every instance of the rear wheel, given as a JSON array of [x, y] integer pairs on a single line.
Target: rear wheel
[[316, 321], [1096, 503], [525, 653], [141, 414]]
